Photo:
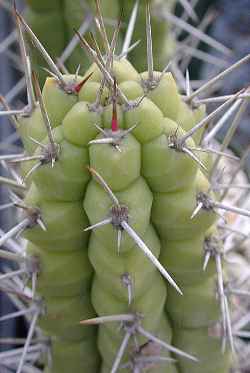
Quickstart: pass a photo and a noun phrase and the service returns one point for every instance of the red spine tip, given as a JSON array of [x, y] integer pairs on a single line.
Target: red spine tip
[[79, 86], [114, 124]]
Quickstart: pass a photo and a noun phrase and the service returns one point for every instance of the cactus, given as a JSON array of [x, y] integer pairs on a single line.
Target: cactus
[[119, 209], [65, 16]]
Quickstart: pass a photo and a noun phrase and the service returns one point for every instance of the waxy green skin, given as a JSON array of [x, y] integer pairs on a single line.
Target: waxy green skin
[[108, 266], [31, 126], [138, 199], [165, 169], [180, 206], [67, 311], [200, 304], [109, 346], [187, 118], [76, 268], [73, 178], [122, 69], [57, 101], [164, 86], [118, 162], [78, 356], [64, 222], [202, 342], [81, 357], [184, 260], [81, 273]]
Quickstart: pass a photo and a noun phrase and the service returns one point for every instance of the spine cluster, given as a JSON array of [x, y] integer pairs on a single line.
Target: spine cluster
[[142, 192], [61, 17]]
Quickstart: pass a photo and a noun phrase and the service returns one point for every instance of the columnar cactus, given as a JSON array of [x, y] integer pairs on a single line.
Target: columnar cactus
[[119, 214], [62, 17]]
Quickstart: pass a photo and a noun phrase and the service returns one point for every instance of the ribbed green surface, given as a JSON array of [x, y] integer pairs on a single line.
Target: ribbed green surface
[[83, 274]]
